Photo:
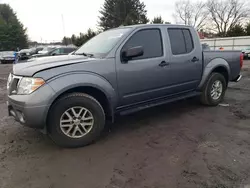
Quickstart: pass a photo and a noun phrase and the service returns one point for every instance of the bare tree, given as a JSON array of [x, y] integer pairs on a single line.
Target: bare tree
[[189, 13], [227, 14]]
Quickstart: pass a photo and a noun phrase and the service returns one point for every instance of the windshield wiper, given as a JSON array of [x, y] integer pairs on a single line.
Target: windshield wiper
[[85, 54]]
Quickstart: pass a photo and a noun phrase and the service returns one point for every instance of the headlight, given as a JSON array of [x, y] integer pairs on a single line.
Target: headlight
[[28, 85]]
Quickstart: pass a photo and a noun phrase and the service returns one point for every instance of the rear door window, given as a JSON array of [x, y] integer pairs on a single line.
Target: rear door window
[[177, 41], [181, 41], [188, 40]]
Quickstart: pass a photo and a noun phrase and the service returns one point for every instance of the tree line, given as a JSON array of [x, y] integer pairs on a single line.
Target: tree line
[[12, 32], [213, 17], [219, 18], [115, 13], [224, 18]]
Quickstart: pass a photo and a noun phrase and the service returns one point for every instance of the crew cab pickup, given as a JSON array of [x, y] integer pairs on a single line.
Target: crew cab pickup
[[119, 71]]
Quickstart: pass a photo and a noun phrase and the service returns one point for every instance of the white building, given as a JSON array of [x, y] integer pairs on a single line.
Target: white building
[[228, 43]]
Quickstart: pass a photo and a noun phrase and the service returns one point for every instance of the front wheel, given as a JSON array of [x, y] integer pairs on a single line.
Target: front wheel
[[76, 120], [214, 90]]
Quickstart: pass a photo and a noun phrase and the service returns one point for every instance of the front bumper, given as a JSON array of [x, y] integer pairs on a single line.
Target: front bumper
[[31, 110], [29, 116]]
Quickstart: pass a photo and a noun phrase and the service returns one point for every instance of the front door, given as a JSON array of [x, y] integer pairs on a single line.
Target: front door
[[145, 77]]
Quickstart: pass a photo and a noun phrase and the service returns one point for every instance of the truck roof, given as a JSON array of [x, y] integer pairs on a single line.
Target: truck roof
[[153, 25]]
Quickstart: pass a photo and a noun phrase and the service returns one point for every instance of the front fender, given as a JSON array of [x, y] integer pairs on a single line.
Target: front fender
[[211, 66], [65, 82]]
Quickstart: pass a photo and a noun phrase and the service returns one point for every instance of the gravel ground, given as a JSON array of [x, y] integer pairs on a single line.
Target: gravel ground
[[179, 145]]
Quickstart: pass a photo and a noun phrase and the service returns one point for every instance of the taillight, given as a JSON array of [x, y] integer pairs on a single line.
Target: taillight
[[241, 60]]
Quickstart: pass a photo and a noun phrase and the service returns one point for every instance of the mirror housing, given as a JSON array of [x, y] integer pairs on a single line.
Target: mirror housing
[[132, 52]]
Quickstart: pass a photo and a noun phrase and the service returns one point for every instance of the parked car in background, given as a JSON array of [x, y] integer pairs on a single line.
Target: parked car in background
[[7, 57], [119, 71], [46, 50], [38, 49], [24, 54], [57, 51], [246, 53]]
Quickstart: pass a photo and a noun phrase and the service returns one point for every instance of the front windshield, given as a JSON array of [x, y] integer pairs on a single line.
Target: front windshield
[[102, 43]]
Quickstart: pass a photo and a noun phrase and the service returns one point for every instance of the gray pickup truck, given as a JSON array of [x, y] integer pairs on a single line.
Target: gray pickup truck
[[120, 71]]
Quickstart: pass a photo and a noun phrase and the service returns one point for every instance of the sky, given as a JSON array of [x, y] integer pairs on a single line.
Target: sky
[[44, 18]]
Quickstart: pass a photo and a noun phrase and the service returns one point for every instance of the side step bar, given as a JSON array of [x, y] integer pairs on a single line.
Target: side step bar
[[140, 107]]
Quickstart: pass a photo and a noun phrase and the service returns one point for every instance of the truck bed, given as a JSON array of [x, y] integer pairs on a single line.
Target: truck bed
[[230, 56]]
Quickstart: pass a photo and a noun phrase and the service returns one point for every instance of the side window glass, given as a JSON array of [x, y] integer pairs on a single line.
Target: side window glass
[[68, 50], [188, 40], [150, 40], [57, 51], [177, 41], [181, 41], [61, 50]]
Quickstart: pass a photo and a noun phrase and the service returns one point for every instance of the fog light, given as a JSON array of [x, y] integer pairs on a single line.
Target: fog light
[[20, 116], [12, 113]]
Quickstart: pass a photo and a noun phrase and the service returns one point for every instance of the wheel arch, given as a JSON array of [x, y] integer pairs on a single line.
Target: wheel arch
[[218, 65], [98, 94], [222, 70], [91, 84]]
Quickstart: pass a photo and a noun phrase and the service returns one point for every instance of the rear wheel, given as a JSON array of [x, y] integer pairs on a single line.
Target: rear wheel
[[214, 90], [76, 120]]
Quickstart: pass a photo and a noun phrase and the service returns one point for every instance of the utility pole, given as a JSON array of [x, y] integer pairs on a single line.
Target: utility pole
[[63, 25]]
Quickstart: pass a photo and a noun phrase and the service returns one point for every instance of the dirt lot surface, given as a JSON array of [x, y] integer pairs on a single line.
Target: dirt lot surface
[[179, 145]]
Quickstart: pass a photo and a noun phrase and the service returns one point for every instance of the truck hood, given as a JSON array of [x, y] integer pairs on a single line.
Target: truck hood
[[34, 65]]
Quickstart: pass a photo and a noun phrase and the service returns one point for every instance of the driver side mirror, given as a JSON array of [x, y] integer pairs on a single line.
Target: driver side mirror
[[132, 52]]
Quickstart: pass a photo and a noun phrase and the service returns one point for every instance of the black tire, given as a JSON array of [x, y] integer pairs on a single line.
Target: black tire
[[69, 101], [206, 97]]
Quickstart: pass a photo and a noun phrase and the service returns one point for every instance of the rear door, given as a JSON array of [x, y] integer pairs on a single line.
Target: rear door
[[185, 59]]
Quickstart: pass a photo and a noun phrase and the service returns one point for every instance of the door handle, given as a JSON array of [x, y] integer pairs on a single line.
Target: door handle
[[195, 59], [163, 64]]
